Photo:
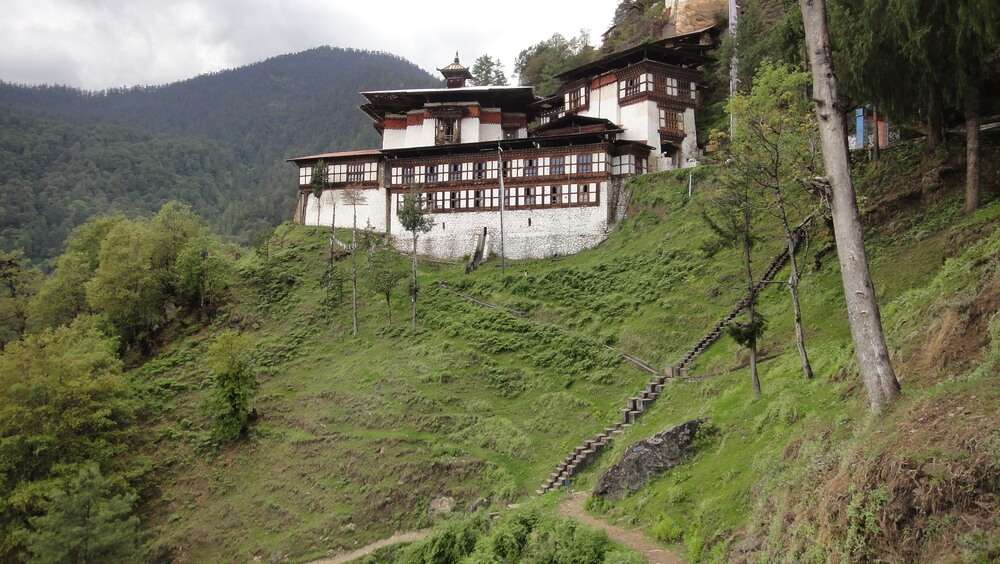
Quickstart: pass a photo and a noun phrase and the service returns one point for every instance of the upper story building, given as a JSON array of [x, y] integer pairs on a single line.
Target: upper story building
[[562, 159]]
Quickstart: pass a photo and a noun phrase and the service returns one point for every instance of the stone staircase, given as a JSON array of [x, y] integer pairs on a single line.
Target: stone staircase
[[636, 405]]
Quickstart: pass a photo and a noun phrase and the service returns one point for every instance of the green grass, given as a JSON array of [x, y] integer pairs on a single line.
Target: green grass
[[356, 434]]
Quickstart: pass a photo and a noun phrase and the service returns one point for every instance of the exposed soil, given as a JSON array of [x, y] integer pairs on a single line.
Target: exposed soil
[[398, 538], [652, 551]]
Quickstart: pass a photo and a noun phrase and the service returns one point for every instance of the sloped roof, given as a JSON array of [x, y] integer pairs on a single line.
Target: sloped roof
[[338, 155]]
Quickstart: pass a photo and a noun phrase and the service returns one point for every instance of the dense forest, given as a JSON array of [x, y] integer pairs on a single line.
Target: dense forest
[[66, 154]]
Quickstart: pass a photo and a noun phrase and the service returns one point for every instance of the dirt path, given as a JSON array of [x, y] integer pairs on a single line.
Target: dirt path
[[654, 552], [411, 536]]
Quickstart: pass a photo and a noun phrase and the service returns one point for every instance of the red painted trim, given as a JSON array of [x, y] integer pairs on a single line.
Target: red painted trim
[[394, 123], [414, 119], [603, 80], [491, 117]]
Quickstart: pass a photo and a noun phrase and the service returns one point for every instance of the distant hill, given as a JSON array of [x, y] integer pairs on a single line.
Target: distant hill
[[218, 141]]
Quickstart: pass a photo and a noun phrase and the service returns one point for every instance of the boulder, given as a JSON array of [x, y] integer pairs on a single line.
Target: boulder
[[647, 459], [441, 506]]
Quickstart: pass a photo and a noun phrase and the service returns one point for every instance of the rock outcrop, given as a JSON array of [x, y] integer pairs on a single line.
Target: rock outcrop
[[647, 459], [685, 16]]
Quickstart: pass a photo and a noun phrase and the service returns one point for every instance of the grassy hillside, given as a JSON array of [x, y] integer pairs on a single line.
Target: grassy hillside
[[356, 435]]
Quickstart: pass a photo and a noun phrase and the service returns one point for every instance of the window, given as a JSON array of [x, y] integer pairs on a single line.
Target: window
[[631, 87], [557, 165], [584, 164], [531, 167], [671, 86], [355, 172], [408, 175], [510, 133], [671, 120], [694, 91], [447, 131], [432, 173], [456, 172], [305, 174], [479, 171], [575, 99], [508, 168]]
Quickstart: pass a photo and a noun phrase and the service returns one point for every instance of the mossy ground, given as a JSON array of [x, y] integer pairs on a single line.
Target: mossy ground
[[356, 435]]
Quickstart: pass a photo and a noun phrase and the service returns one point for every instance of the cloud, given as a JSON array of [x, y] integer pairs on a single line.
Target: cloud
[[104, 43]]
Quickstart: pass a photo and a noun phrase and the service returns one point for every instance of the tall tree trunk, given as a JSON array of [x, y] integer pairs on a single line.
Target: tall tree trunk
[[877, 143], [413, 285], [859, 292], [933, 119], [793, 289], [388, 310], [751, 307], [972, 147], [354, 272]]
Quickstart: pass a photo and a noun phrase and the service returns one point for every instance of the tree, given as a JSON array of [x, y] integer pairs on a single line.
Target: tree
[[85, 521], [539, 64], [384, 275], [234, 385], [202, 274], [18, 283], [126, 287], [732, 223], [354, 198], [487, 71], [773, 145], [859, 291], [64, 406], [318, 184], [414, 218]]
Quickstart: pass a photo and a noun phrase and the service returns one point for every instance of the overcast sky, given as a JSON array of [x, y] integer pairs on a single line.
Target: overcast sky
[[96, 44]]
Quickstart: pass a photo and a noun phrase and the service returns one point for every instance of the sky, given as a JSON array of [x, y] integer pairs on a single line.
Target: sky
[[95, 44]]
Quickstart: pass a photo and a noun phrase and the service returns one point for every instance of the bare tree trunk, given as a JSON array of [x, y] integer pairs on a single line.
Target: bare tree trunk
[[972, 148], [751, 307], [354, 272], [793, 289], [859, 292], [388, 310], [933, 119], [877, 143], [413, 285]]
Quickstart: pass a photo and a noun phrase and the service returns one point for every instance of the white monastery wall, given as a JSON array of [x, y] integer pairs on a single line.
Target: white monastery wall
[[604, 103], [469, 132], [393, 138], [488, 131], [532, 233], [320, 211]]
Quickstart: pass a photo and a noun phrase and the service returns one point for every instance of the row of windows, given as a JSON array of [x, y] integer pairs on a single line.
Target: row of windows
[[628, 164], [351, 172], [586, 163], [671, 120], [656, 83], [517, 197]]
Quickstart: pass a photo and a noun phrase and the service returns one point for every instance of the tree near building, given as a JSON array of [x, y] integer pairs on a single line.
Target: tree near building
[[414, 218], [859, 292], [539, 64], [773, 145], [318, 184], [234, 385], [384, 275], [354, 198], [487, 71]]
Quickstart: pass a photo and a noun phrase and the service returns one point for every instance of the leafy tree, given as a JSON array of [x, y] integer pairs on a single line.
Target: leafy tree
[[18, 283], [773, 145], [318, 184], [126, 287], [487, 71], [859, 292], [87, 520], [63, 296], [64, 406], [203, 274], [384, 275], [234, 385], [539, 64], [414, 218]]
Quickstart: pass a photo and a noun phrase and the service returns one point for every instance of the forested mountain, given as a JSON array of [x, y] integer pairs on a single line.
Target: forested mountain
[[217, 141]]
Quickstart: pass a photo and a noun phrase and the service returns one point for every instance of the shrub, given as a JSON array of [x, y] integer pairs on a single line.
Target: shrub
[[234, 385]]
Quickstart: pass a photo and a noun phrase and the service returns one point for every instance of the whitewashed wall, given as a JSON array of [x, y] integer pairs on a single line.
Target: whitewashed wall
[[604, 103], [553, 231], [470, 130], [320, 211], [393, 138], [487, 132]]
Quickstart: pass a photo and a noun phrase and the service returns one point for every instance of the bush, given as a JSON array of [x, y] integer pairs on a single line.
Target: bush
[[234, 385]]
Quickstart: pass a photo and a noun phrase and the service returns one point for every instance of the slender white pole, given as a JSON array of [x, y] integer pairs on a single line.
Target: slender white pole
[[503, 199]]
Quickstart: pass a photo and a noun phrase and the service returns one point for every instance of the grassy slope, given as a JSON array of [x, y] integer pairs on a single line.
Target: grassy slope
[[357, 434]]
